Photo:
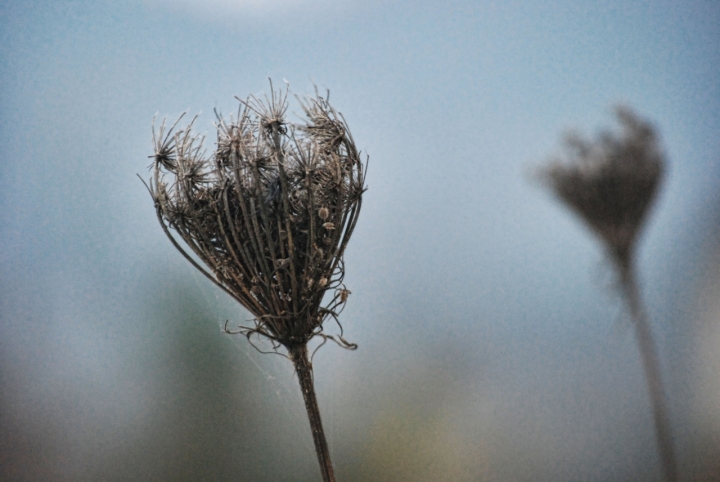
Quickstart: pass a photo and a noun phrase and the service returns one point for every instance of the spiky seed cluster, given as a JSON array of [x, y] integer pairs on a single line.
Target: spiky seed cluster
[[269, 213], [611, 182]]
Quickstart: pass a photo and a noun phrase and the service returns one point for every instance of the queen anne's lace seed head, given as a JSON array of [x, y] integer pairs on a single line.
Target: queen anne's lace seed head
[[611, 182], [256, 211]]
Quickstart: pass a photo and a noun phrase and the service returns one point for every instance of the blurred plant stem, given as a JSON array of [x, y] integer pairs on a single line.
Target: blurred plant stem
[[651, 368], [303, 367]]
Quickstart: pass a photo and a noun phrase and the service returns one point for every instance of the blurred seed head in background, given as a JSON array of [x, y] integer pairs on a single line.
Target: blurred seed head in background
[[611, 182]]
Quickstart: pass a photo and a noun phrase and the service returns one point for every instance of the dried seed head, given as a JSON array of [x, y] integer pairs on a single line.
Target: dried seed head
[[248, 210], [344, 295], [319, 251], [611, 182]]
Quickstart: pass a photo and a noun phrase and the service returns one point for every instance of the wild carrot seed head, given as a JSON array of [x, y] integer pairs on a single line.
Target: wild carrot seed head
[[257, 211], [611, 182]]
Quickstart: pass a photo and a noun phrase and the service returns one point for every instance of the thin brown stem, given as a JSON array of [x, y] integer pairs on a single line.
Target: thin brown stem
[[299, 356], [651, 367]]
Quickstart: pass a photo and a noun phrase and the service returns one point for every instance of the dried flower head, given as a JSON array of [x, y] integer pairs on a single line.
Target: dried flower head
[[611, 182], [257, 211]]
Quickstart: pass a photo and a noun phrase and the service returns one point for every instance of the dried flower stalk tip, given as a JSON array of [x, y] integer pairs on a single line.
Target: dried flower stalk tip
[[611, 182], [256, 211]]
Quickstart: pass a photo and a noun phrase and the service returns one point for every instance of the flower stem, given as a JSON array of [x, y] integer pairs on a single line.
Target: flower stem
[[303, 367], [651, 367]]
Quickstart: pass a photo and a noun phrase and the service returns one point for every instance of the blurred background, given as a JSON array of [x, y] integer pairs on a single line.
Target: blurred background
[[492, 344]]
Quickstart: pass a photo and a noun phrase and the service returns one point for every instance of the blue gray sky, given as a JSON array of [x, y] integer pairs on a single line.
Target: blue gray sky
[[460, 260]]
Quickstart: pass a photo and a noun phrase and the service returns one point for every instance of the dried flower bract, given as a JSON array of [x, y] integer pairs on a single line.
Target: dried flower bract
[[257, 211], [611, 182]]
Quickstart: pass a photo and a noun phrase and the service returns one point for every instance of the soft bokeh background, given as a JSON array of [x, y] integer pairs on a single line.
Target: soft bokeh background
[[492, 344]]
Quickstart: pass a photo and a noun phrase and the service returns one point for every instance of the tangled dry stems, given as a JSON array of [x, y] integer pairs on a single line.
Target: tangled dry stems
[[269, 213]]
